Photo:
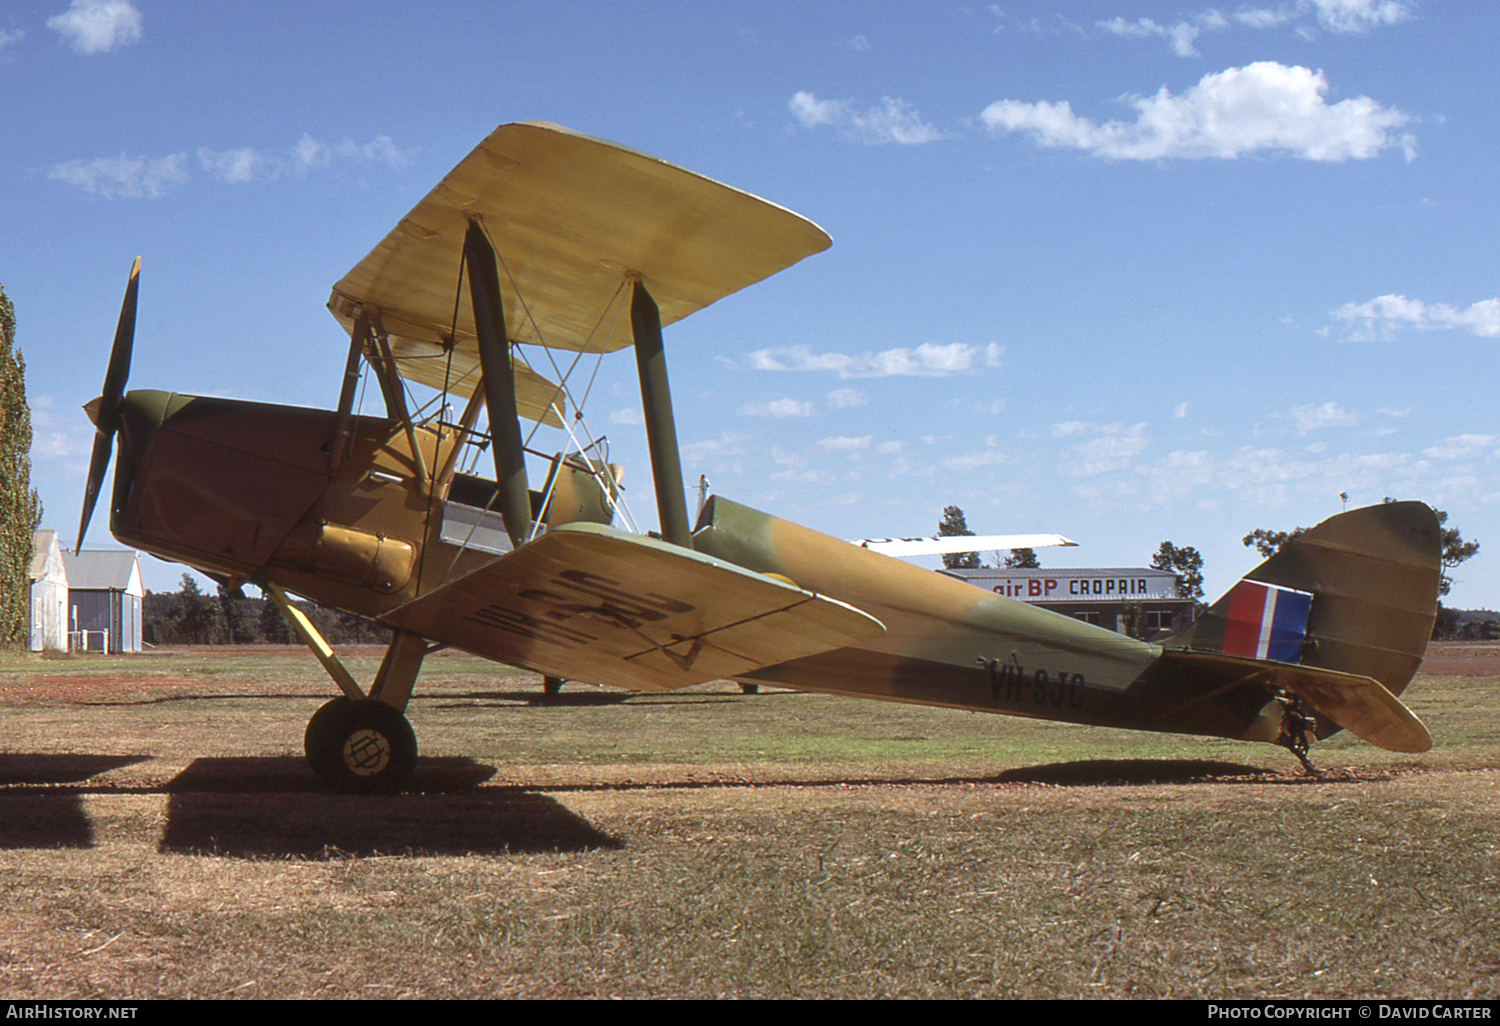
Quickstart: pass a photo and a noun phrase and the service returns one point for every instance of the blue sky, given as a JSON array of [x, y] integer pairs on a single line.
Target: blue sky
[[1123, 270]]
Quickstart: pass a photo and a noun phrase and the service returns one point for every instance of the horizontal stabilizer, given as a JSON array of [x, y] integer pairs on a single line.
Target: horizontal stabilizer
[[592, 603], [902, 547], [1359, 704]]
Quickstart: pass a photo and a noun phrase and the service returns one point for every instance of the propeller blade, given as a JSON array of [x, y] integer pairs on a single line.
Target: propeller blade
[[119, 355], [105, 410], [98, 464]]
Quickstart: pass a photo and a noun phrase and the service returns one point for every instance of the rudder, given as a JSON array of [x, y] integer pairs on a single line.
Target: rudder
[[1372, 575]]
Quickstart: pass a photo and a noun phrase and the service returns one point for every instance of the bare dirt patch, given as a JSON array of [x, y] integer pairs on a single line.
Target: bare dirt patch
[[1462, 659]]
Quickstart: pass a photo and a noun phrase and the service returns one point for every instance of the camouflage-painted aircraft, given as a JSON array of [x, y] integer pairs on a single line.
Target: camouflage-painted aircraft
[[545, 238]]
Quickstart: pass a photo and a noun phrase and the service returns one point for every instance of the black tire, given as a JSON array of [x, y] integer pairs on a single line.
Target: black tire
[[361, 747], [750, 689], [551, 686], [318, 742]]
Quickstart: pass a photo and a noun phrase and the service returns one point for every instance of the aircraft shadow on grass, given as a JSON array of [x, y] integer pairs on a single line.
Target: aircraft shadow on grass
[[50, 820], [59, 768], [31, 820], [275, 807], [566, 700], [1107, 772], [528, 696], [255, 807]]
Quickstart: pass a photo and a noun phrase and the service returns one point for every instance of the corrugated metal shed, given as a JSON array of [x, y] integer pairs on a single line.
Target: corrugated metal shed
[[105, 591], [49, 594]]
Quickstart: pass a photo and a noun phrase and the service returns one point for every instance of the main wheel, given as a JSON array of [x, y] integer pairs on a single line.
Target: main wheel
[[552, 686], [361, 747]]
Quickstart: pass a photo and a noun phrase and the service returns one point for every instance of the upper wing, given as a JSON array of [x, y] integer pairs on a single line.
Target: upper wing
[[592, 603], [960, 543], [572, 219]]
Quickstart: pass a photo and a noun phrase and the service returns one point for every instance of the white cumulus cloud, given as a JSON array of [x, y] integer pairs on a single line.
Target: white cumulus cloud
[[1338, 16], [124, 177], [1464, 447], [846, 444], [231, 165], [98, 26], [889, 121], [1358, 15], [1113, 447], [925, 360], [778, 409], [1262, 107], [1316, 417], [1382, 316], [1181, 35]]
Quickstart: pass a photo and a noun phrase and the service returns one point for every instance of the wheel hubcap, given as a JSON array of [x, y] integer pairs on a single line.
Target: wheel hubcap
[[367, 752]]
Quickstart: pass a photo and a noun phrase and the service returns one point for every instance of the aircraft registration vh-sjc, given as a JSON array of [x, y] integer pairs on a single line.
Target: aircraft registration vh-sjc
[[545, 238]]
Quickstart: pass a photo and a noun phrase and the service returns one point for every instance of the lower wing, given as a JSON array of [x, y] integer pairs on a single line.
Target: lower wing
[[592, 603]]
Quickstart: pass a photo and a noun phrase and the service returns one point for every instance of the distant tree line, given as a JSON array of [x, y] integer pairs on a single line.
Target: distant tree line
[[192, 616]]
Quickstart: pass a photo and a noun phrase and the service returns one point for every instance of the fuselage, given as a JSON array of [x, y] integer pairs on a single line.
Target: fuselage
[[365, 516], [251, 491]]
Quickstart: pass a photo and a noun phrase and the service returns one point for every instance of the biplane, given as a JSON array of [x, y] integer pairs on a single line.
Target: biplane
[[543, 241]]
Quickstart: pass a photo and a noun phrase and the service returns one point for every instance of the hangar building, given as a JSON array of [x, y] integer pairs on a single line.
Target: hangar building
[[1106, 597]]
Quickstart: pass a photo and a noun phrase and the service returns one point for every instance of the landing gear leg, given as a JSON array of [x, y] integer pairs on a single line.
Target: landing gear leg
[[356, 744], [1296, 726]]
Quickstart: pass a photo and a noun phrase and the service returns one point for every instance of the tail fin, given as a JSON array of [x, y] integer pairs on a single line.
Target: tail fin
[[1356, 594]]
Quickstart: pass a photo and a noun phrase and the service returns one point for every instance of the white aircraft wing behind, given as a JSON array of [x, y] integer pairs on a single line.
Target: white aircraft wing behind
[[901, 547]]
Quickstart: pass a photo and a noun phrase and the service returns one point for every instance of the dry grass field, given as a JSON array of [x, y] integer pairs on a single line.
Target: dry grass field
[[161, 837]]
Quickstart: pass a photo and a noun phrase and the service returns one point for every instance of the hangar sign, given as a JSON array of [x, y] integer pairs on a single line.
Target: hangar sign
[[1106, 585]]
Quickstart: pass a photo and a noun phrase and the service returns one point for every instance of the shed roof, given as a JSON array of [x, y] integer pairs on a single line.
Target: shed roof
[[46, 561], [104, 570]]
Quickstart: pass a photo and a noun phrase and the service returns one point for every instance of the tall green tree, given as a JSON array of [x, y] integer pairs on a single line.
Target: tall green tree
[[20, 509], [241, 625], [1268, 542], [1186, 563], [201, 618], [1022, 559], [1455, 550], [272, 627], [954, 524]]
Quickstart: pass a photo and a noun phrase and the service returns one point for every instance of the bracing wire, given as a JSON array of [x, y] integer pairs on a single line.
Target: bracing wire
[[574, 426]]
